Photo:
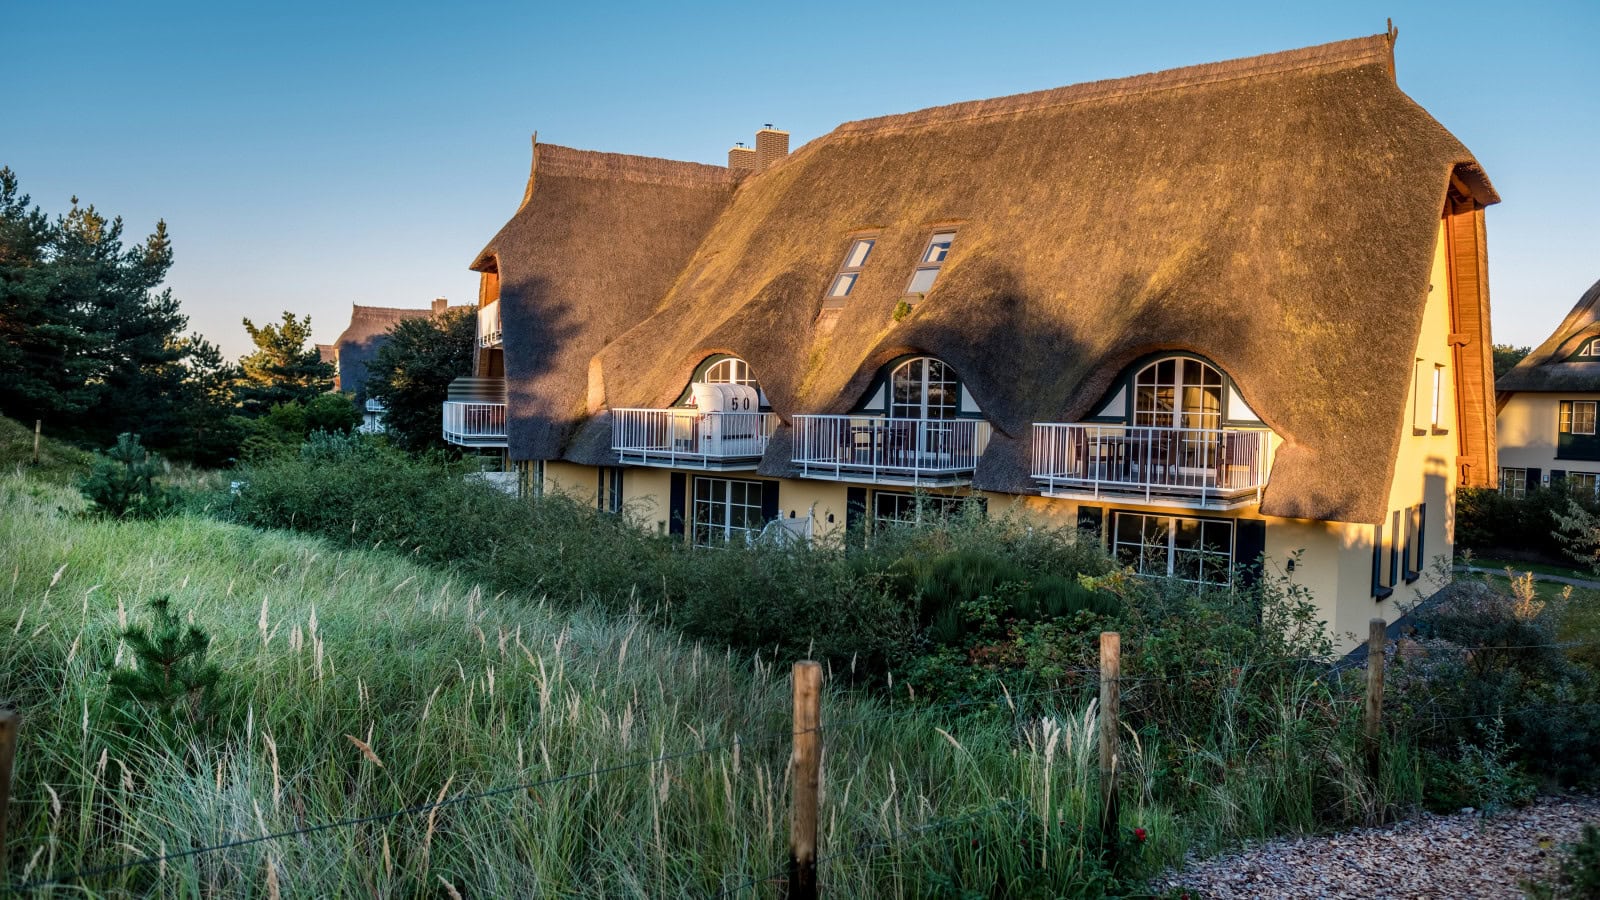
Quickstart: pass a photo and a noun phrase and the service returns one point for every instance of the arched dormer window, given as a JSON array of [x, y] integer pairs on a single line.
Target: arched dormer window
[[918, 387], [923, 388], [1180, 392], [722, 368], [1176, 390]]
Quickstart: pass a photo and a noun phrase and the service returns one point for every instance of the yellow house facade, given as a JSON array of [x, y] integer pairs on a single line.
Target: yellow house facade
[[1211, 317]]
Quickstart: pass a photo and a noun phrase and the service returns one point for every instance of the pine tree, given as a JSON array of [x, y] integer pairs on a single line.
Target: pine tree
[[171, 664], [284, 368]]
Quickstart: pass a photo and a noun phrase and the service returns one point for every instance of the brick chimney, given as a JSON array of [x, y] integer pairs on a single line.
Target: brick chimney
[[440, 305], [742, 158], [771, 146]]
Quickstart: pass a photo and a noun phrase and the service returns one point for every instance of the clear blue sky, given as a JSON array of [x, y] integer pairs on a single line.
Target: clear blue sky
[[311, 155]]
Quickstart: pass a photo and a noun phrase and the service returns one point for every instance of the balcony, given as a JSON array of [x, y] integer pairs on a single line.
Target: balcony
[[375, 406], [475, 424], [474, 413], [1189, 467], [928, 452], [688, 439], [489, 324]]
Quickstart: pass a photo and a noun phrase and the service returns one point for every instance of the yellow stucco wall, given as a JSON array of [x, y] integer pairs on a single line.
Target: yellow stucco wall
[[1527, 429]]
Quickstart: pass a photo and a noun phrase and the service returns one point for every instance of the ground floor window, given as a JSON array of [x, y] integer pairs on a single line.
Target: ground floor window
[[530, 478], [608, 496], [897, 508], [1584, 482], [1197, 550], [726, 510], [1514, 482]]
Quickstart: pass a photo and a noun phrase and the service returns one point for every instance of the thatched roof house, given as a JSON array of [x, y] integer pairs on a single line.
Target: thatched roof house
[[1566, 361], [358, 344], [1277, 215]]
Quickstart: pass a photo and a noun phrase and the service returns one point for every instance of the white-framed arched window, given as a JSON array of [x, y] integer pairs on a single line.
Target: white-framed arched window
[[729, 370], [923, 388], [1179, 392]]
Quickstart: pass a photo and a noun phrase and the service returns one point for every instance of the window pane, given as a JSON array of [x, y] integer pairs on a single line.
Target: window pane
[[922, 281], [1188, 534], [858, 255], [843, 285], [939, 247]]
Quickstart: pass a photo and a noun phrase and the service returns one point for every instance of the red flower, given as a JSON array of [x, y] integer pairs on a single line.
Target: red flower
[[1139, 834]]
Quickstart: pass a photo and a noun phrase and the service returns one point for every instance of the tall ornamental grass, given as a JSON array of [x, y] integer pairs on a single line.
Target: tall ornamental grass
[[356, 682]]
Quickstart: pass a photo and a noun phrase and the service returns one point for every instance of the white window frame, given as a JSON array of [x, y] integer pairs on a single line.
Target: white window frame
[[1569, 419], [929, 372], [714, 499], [923, 508], [1591, 480], [934, 255], [1160, 559], [1180, 414], [844, 281], [1514, 482], [1437, 416]]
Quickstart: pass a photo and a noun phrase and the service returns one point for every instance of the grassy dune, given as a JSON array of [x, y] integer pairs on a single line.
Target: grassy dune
[[458, 692], [358, 683]]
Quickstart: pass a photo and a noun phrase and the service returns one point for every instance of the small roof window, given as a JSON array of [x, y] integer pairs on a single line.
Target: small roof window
[[932, 259], [850, 271]]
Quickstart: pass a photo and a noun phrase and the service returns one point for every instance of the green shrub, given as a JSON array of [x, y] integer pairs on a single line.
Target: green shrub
[[1493, 524], [1578, 877], [1481, 654], [122, 483]]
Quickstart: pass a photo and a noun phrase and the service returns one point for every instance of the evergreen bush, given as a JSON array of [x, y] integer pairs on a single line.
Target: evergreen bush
[[122, 483]]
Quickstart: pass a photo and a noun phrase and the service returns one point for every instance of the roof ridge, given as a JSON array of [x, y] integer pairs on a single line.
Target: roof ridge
[[555, 159], [1346, 53]]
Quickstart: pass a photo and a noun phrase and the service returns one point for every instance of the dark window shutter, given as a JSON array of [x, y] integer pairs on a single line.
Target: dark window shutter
[[678, 504], [1090, 518], [769, 500], [1533, 479], [1557, 475], [855, 509], [1249, 543], [1379, 592], [1422, 530]]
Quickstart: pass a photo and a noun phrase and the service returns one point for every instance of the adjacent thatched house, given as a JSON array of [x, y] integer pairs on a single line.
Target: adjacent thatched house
[[358, 344], [1547, 407], [1212, 313]]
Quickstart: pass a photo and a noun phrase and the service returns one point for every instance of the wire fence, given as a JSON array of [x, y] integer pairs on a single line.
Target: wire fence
[[1003, 697]]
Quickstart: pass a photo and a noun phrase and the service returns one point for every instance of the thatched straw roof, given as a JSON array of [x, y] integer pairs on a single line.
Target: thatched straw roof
[[598, 240], [1277, 214], [1550, 367], [359, 342]]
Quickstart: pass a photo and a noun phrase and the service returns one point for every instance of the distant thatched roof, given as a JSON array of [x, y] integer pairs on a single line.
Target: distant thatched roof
[[598, 240], [1549, 366], [1277, 214], [368, 330]]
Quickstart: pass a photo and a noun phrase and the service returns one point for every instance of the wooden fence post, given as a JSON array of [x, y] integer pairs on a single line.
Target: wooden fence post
[[805, 771], [8, 752], [37, 425], [1110, 700], [1376, 637]]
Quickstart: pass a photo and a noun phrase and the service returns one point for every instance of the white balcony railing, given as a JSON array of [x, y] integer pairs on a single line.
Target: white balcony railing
[[376, 406], [1198, 466], [689, 438], [489, 324], [475, 424], [881, 449]]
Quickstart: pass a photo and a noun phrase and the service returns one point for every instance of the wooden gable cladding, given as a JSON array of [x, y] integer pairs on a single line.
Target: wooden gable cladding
[[1471, 347]]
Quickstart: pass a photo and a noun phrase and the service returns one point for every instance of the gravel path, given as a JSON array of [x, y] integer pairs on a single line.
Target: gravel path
[[1458, 855]]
